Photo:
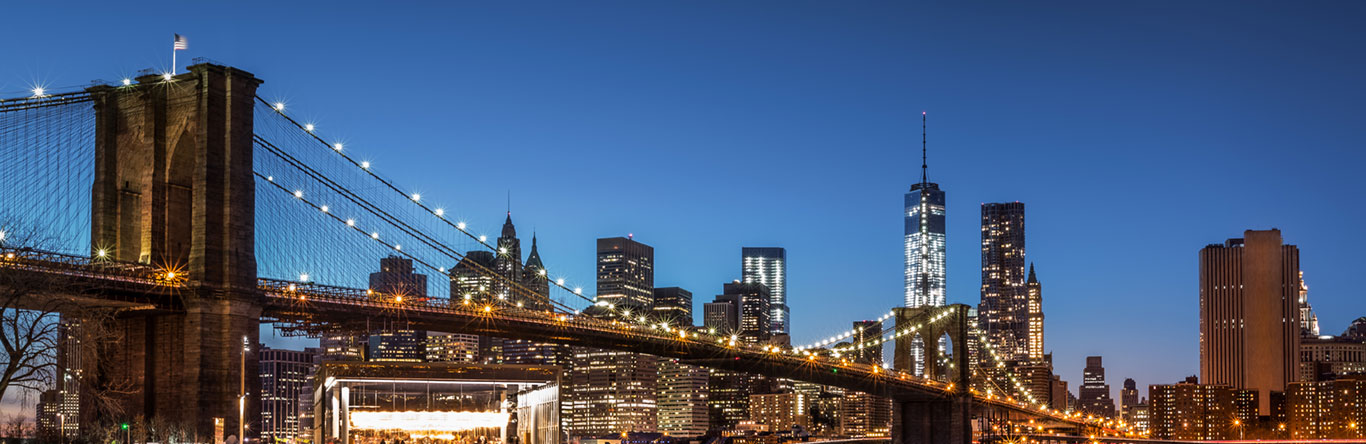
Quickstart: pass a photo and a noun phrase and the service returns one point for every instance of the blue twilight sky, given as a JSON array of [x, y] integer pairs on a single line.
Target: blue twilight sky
[[1135, 133]]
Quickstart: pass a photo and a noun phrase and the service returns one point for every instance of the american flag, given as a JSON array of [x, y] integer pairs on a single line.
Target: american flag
[[181, 43]]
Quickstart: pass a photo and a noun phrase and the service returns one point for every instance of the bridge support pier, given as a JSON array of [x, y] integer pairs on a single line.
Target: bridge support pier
[[185, 368], [946, 420], [174, 188]]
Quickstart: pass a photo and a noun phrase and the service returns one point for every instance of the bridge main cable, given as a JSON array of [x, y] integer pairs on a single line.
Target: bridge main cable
[[394, 247], [388, 218], [336, 148]]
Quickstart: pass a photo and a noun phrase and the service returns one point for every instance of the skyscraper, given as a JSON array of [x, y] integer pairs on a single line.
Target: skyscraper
[[1309, 322], [721, 316], [780, 411], [1190, 411], [1249, 314], [70, 370], [728, 391], [926, 276], [1328, 409], [925, 241], [682, 398], [533, 292], [1128, 397], [48, 415], [768, 266], [452, 347], [673, 305], [1004, 311], [1035, 315], [612, 391], [508, 264], [396, 277], [536, 279], [865, 416], [750, 302], [284, 378], [626, 272], [1094, 394]]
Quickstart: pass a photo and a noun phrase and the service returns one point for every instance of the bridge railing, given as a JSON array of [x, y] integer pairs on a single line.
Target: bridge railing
[[29, 259], [723, 345], [304, 292], [144, 275]]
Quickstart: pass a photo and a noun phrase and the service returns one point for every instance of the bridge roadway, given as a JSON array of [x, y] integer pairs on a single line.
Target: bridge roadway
[[319, 308]]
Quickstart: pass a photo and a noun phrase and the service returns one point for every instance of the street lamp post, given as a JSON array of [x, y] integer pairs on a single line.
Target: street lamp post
[[242, 398]]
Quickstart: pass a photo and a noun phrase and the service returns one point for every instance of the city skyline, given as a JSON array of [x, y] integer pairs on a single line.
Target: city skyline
[[1068, 213]]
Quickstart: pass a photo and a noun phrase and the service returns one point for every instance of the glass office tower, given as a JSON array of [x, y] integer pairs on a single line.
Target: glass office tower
[[925, 276], [768, 266]]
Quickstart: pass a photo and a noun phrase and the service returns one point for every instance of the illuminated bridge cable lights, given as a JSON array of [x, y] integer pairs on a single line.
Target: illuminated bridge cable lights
[[374, 235], [844, 335], [365, 166], [383, 215], [1000, 364]]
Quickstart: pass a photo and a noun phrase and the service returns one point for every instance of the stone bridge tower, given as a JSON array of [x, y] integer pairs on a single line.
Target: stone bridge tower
[[174, 188], [943, 420]]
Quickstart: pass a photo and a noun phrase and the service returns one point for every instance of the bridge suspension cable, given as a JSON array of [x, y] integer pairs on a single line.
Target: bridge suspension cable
[[337, 148], [385, 217], [350, 223], [46, 170]]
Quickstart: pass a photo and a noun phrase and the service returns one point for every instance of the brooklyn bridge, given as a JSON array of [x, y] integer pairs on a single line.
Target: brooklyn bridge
[[196, 210]]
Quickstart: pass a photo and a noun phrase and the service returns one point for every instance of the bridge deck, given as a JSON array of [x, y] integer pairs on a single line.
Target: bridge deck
[[316, 308]]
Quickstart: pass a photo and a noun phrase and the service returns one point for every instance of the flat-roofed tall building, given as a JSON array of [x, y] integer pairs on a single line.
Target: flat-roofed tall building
[[768, 266], [1094, 394], [673, 305], [1190, 411], [1327, 409], [285, 377], [1323, 357], [626, 272], [865, 416], [1004, 311], [682, 398], [611, 391], [780, 411], [1249, 314], [452, 347], [1140, 419], [751, 311], [722, 316]]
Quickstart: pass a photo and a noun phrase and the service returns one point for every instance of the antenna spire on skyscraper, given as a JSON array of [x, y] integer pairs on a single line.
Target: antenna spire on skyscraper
[[924, 164]]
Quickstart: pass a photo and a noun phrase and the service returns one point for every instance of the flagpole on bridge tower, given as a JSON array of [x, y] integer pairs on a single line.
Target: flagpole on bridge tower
[[177, 43]]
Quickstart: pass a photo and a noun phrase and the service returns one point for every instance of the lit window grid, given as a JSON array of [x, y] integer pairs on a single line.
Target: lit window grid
[[924, 254], [772, 272]]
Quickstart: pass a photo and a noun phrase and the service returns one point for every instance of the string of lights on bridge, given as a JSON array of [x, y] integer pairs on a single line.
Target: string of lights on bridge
[[373, 235], [414, 197]]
